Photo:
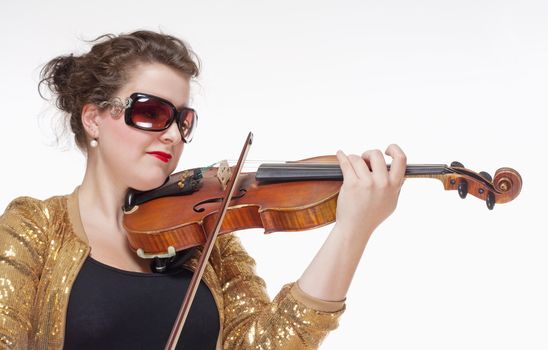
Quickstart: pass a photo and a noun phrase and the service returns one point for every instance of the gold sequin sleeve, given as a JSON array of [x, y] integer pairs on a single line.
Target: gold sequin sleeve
[[23, 231], [293, 320]]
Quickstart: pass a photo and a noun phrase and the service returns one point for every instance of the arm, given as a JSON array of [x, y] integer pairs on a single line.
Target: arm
[[22, 248], [302, 314], [369, 195], [293, 320]]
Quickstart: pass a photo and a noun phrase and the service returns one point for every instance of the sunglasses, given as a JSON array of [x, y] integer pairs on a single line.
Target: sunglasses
[[152, 113]]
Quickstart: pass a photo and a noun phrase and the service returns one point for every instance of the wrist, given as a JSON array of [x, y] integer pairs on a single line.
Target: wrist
[[353, 232]]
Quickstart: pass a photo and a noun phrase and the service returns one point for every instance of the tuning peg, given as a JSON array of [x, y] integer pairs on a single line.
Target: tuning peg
[[463, 189], [490, 201], [486, 176], [456, 164]]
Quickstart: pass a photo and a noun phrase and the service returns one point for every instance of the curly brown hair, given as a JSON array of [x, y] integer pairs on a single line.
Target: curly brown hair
[[95, 76]]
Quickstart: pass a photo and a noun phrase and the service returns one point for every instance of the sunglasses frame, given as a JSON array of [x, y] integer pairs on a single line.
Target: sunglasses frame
[[127, 106]]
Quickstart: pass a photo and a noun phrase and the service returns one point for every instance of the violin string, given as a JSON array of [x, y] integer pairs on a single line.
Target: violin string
[[312, 167], [321, 162], [251, 165]]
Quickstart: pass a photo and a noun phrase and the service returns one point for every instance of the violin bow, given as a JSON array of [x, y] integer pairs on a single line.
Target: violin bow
[[208, 248]]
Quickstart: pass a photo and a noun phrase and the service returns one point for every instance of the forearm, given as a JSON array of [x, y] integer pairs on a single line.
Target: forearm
[[330, 273]]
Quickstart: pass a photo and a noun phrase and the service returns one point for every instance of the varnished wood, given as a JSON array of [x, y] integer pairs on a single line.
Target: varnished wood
[[279, 205]]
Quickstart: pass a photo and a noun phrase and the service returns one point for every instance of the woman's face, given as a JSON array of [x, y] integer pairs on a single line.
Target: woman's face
[[127, 153]]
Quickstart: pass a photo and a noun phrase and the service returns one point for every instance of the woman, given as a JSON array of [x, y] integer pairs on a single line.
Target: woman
[[67, 275]]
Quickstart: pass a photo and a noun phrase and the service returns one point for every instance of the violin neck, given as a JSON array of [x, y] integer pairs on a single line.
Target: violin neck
[[321, 171]]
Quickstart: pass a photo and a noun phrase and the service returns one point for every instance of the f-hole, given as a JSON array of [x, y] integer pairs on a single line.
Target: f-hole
[[197, 207]]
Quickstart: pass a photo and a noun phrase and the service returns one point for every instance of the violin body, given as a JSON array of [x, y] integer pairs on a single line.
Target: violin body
[[274, 206]]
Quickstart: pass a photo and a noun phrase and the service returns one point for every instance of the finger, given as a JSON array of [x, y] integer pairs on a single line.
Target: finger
[[346, 167], [399, 163], [360, 168], [377, 163]]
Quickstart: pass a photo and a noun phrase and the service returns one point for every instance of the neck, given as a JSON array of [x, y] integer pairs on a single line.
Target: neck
[[100, 196], [332, 171]]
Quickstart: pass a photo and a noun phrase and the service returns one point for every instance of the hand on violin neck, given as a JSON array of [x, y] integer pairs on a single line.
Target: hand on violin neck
[[370, 191]]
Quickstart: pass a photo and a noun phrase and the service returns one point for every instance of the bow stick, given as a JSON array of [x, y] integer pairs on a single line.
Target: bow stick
[[208, 248]]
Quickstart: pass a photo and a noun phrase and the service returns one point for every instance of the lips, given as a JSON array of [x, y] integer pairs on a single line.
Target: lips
[[164, 157]]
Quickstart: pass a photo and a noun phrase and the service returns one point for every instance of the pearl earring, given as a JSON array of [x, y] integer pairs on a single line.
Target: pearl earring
[[93, 143]]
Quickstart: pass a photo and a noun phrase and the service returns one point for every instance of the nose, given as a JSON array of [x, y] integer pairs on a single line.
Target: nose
[[172, 134]]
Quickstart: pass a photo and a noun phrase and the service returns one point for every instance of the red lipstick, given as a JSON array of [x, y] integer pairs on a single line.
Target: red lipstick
[[164, 157]]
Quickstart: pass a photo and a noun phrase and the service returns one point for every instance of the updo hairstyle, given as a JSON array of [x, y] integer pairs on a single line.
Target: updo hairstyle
[[95, 76]]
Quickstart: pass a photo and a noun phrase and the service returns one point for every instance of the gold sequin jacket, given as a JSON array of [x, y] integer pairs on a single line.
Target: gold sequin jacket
[[43, 246]]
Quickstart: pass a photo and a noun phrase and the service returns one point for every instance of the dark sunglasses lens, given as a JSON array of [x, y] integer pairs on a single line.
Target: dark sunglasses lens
[[189, 121], [150, 114]]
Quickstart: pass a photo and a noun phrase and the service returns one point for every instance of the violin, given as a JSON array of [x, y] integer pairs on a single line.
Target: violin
[[194, 206], [292, 196]]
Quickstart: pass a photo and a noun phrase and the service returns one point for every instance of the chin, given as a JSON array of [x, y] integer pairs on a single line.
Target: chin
[[148, 184]]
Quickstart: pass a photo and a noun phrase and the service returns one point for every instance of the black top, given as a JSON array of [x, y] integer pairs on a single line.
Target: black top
[[111, 308]]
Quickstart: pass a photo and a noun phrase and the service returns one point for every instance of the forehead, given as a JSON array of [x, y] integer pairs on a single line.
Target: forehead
[[158, 80]]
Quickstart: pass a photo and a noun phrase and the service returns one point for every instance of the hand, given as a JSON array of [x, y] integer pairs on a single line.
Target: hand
[[370, 191]]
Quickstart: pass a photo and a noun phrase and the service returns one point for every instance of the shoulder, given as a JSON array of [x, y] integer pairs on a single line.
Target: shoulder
[[229, 245], [233, 259], [26, 208], [227, 254], [37, 209], [31, 216], [33, 226]]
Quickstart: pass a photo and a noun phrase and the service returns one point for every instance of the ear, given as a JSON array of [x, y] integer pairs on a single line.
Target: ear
[[91, 120]]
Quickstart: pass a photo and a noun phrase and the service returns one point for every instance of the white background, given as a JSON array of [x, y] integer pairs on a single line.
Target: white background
[[447, 80]]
